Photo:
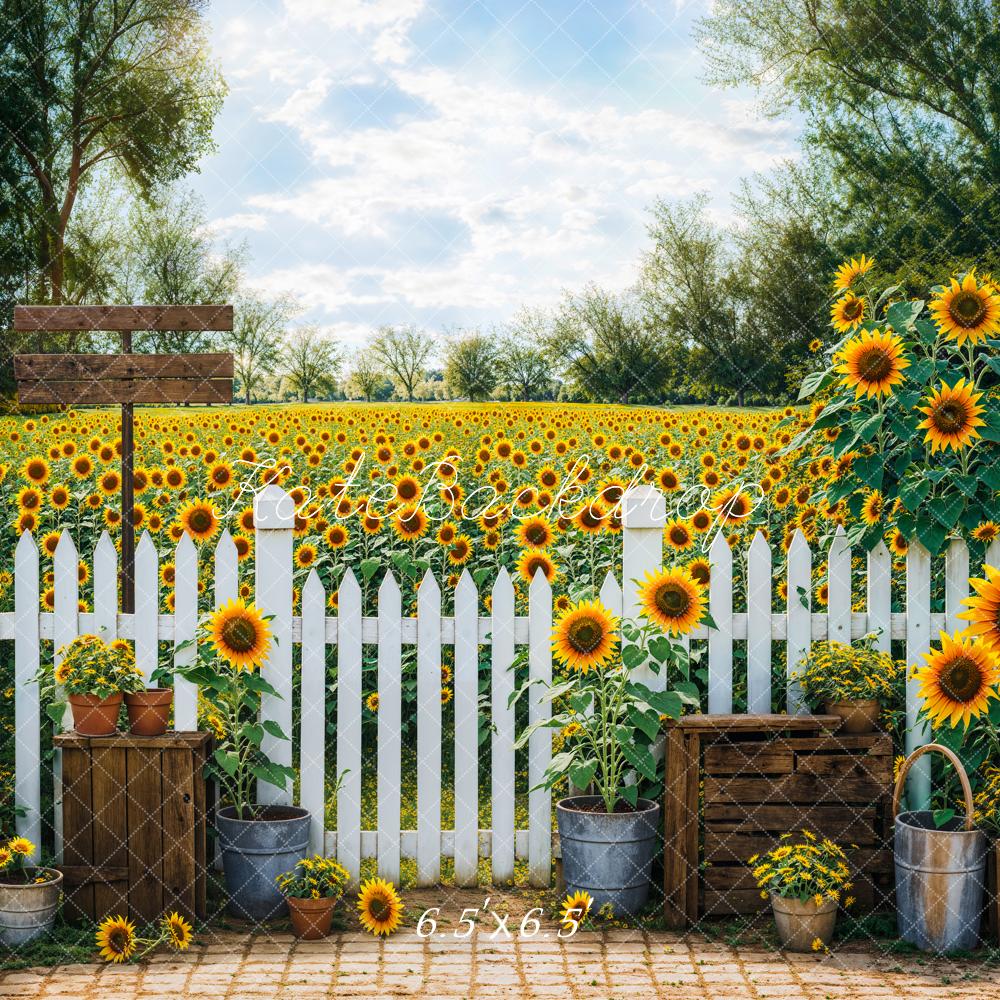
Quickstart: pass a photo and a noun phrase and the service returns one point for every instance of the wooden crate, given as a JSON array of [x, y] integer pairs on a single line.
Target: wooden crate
[[133, 813], [734, 783]]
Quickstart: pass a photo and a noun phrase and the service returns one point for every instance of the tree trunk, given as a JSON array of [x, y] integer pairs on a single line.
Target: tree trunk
[[739, 397]]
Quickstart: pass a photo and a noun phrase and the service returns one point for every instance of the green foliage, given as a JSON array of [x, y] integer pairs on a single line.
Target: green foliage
[[471, 365]]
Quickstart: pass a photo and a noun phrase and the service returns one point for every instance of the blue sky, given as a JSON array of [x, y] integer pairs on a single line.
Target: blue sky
[[444, 161]]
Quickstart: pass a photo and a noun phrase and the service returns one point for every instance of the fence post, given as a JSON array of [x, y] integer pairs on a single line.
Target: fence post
[[273, 518], [918, 641], [644, 514], [27, 716]]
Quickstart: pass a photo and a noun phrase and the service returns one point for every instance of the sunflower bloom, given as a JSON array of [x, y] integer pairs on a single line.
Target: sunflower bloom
[[984, 610], [967, 311], [673, 599], [584, 636], [240, 634], [873, 363], [850, 271], [847, 313], [952, 416], [575, 909], [116, 939], [958, 681], [380, 907]]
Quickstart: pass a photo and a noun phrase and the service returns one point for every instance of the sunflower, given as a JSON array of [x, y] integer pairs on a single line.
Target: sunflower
[[851, 270], [22, 846], [958, 680], [967, 311], [673, 599], [873, 507], [575, 908], [179, 931], [371, 702], [532, 560], [116, 939], [36, 470], [847, 313], [534, 532], [952, 416], [986, 531], [461, 551], [200, 519], [984, 609], [584, 636], [380, 907], [409, 523], [733, 505], [677, 534], [337, 536], [873, 363], [240, 634], [305, 555]]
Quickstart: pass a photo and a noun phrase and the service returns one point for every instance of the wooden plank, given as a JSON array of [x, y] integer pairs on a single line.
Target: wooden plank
[[502, 776], [110, 834], [388, 792], [956, 583], [733, 847], [75, 875], [797, 788], [176, 317], [312, 724], [145, 844], [147, 605], [428, 731], [838, 610], [798, 603], [349, 649], [185, 631], [739, 902], [106, 588], [845, 765], [540, 741], [466, 732], [644, 513], [66, 627], [734, 877], [692, 827], [843, 825], [199, 755], [720, 638], [918, 641], [155, 393], [177, 831], [115, 367], [750, 757], [170, 739], [27, 709], [757, 723], [879, 587], [879, 745], [78, 828], [759, 626], [677, 813]]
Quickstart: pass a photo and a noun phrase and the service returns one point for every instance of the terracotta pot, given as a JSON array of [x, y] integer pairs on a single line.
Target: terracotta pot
[[800, 922], [859, 717], [93, 716], [148, 711], [311, 917]]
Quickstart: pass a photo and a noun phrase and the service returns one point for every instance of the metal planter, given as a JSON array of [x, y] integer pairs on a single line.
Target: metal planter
[[28, 911]]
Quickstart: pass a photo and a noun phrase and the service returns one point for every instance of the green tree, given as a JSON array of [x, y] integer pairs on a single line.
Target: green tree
[[470, 365], [367, 377], [403, 352], [900, 109], [522, 364], [90, 86], [255, 341], [310, 362], [607, 348]]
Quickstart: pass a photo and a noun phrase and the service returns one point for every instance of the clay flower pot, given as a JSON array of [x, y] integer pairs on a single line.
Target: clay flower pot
[[859, 717], [311, 917], [148, 711], [801, 923], [93, 716]]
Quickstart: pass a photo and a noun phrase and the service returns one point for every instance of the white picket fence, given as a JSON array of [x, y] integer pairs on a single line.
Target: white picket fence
[[643, 518]]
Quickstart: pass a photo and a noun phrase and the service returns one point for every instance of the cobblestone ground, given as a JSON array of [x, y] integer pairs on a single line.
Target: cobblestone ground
[[624, 965]]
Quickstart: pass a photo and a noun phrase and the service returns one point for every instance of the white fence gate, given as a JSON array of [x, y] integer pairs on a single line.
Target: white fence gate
[[502, 631]]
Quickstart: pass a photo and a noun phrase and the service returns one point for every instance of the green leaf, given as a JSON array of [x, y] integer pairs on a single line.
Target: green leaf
[[369, 567], [948, 508], [943, 816], [630, 793], [813, 382], [648, 723], [869, 469], [931, 534], [227, 760], [583, 774], [920, 371], [272, 728], [913, 492], [640, 758], [633, 656], [902, 315]]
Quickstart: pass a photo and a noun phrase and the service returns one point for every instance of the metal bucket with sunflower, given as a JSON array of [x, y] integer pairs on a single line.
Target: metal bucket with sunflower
[[940, 870]]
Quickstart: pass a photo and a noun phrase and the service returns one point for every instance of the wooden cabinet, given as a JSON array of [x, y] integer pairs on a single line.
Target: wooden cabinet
[[133, 815]]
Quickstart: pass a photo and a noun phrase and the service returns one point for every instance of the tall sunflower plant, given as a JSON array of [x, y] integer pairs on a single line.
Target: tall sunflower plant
[[231, 646], [905, 427], [608, 716]]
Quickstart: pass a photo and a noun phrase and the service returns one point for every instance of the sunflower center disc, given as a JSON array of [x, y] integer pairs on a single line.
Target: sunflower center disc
[[585, 636], [961, 679], [967, 309], [239, 634], [201, 520], [672, 600], [875, 365], [950, 417]]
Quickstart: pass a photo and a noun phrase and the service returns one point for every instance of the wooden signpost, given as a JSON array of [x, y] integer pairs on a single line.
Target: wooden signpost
[[126, 378]]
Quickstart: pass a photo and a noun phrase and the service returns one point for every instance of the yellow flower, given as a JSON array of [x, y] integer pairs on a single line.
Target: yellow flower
[[240, 634], [179, 931], [116, 939], [380, 907]]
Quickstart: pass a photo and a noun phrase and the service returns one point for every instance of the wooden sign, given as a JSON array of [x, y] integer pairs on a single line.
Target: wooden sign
[[126, 378]]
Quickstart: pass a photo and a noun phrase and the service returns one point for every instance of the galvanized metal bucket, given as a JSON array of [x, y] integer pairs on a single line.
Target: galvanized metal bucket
[[609, 855], [940, 871], [27, 911], [255, 852]]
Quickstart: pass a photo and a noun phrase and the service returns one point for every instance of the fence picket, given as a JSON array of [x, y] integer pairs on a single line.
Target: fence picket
[[65, 629], [227, 580], [106, 588], [147, 606], [349, 652], [759, 626], [838, 609], [720, 638], [273, 518], [185, 630], [611, 595], [879, 588], [502, 790], [799, 616], [27, 713], [644, 513], [428, 731], [918, 641], [389, 719], [312, 739], [466, 731], [956, 583], [540, 742], [993, 554]]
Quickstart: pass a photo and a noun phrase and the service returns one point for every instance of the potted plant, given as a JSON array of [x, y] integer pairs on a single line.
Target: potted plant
[[92, 675], [258, 842], [312, 889], [804, 882], [149, 709], [853, 683], [609, 722], [29, 895]]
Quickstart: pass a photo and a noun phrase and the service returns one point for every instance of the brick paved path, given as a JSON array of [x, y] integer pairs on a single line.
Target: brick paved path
[[625, 965]]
